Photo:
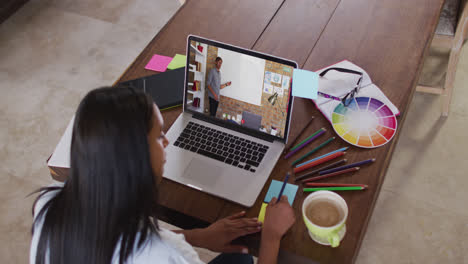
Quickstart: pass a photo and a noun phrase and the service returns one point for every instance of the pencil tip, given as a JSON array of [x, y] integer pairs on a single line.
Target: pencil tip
[[373, 159], [357, 168]]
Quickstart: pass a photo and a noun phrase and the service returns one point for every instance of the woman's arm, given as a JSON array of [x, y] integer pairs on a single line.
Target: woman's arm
[[269, 248], [193, 236], [219, 235], [279, 217]]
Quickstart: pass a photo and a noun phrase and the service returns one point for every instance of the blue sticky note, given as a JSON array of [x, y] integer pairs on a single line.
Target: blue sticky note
[[275, 188], [305, 84]]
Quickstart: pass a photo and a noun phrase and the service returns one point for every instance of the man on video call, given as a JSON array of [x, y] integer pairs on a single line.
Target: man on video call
[[214, 86]]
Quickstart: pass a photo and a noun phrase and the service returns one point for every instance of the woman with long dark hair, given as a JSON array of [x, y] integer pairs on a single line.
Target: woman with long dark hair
[[105, 211]]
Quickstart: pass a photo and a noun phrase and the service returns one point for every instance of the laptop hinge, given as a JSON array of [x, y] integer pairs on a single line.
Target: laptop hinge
[[235, 127]]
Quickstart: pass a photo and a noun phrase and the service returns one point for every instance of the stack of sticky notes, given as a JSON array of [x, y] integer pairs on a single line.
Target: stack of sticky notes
[[274, 190], [161, 63]]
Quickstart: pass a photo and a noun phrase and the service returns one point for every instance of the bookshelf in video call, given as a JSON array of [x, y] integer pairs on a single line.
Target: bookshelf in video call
[[200, 57]]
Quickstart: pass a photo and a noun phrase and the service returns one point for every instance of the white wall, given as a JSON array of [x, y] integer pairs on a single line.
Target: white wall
[[246, 74]]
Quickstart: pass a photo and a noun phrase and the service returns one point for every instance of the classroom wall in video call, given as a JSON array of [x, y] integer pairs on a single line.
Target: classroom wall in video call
[[246, 74]]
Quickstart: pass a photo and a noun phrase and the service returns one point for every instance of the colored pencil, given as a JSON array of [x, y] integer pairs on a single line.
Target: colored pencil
[[356, 164], [331, 174], [299, 134], [313, 151], [319, 161], [310, 139], [355, 188], [324, 155], [334, 164], [282, 187], [314, 184]]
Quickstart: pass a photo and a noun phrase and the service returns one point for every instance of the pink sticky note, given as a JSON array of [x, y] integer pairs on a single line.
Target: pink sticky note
[[158, 63]]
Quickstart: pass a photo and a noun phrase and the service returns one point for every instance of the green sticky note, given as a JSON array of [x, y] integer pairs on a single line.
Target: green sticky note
[[178, 61], [275, 188]]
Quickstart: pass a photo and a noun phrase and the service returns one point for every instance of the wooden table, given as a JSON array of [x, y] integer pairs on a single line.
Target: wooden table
[[387, 38]]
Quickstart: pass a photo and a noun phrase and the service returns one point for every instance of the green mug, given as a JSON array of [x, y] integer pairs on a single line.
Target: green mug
[[325, 214]]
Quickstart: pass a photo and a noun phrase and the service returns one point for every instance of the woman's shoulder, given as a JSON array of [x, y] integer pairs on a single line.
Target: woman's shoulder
[[178, 241]]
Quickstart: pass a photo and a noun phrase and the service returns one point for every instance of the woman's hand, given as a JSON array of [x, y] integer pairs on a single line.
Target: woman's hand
[[279, 217], [219, 235]]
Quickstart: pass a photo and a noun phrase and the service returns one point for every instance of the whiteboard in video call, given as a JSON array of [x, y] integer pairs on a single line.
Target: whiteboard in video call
[[246, 74]]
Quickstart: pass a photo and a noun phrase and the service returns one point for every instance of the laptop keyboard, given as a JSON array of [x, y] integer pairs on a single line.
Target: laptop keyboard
[[218, 145]]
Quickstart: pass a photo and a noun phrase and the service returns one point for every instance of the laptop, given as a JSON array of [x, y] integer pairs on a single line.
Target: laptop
[[213, 146]]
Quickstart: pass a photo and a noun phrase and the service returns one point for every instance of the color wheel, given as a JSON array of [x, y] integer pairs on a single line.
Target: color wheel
[[365, 122]]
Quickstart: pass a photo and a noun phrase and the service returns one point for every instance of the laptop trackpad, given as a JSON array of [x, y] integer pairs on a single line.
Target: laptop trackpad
[[202, 172]]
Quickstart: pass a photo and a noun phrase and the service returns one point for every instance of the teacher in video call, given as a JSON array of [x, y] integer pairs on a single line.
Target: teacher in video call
[[214, 85]]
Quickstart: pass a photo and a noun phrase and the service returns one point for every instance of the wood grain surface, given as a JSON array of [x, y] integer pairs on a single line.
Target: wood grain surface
[[387, 38]]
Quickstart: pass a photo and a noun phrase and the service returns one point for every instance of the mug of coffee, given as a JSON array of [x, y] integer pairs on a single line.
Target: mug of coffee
[[325, 214]]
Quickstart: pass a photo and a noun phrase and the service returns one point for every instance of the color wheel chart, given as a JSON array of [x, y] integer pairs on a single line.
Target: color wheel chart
[[366, 122]]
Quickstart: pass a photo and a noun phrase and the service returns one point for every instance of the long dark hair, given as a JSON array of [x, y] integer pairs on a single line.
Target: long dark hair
[[111, 193]]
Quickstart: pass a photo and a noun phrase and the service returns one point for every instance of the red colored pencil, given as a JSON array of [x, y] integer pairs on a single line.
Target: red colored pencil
[[314, 184], [331, 174], [319, 161]]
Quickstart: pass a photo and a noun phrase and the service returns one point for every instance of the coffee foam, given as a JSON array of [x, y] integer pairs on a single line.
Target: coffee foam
[[324, 212]]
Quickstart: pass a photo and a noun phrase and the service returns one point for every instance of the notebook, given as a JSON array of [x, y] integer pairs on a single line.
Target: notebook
[[165, 88]]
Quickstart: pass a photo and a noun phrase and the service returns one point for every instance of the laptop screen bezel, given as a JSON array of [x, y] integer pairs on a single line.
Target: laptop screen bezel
[[224, 123]]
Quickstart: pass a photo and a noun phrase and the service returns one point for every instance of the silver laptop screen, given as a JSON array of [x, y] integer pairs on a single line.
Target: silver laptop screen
[[229, 85]]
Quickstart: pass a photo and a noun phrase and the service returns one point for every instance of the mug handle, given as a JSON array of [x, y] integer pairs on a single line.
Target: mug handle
[[334, 239]]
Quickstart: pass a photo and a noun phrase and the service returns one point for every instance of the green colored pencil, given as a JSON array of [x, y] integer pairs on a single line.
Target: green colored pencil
[[303, 141], [356, 188], [313, 151]]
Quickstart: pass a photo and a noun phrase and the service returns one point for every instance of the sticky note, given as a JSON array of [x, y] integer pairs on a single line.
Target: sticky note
[[275, 188], [158, 63], [178, 61], [261, 215], [305, 84]]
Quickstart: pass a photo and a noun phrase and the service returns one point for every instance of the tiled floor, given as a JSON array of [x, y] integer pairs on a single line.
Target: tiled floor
[[52, 52]]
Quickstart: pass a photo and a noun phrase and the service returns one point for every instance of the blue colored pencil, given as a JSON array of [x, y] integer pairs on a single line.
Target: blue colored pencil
[[344, 167], [328, 154], [282, 187], [312, 151]]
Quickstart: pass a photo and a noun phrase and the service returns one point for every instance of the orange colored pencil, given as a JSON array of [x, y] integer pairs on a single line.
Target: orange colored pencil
[[318, 162], [331, 174], [314, 184]]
